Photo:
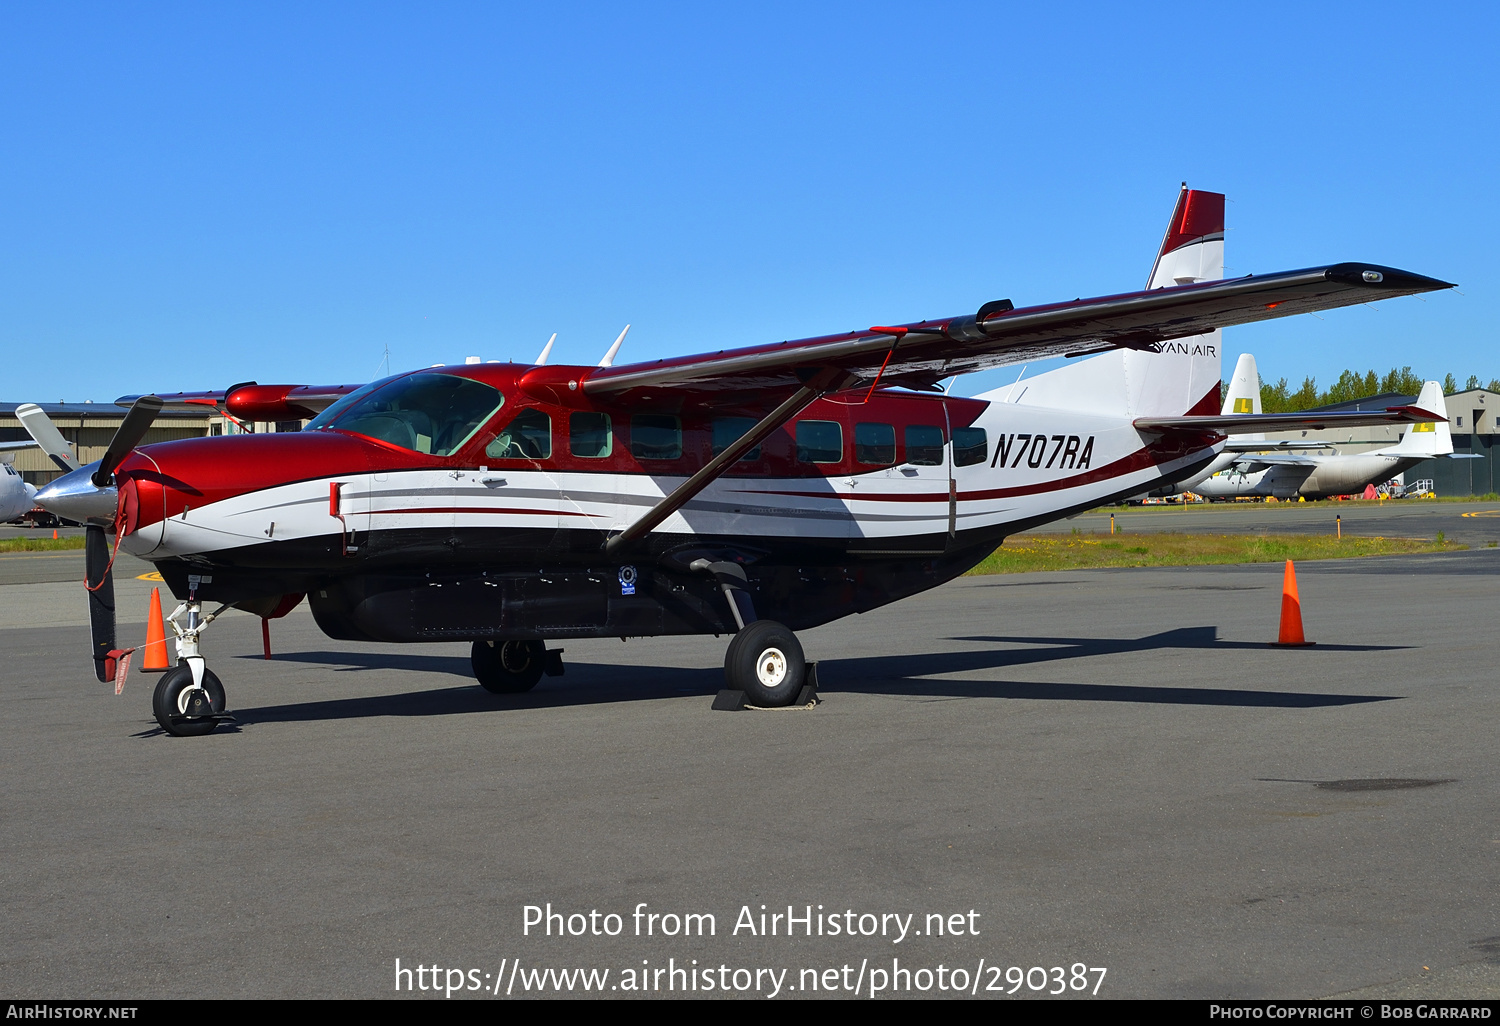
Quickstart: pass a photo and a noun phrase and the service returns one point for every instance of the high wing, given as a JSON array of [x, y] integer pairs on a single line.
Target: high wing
[[1278, 446], [1280, 459], [921, 354]]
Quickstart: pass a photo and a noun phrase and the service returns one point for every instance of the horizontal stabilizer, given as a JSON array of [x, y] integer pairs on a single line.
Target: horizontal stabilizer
[[1244, 423]]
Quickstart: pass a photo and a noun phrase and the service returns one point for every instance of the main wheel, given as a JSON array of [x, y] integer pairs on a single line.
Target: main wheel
[[174, 700], [765, 662], [508, 667]]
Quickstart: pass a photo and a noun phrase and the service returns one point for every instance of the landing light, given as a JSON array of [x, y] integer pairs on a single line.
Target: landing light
[[1373, 276]]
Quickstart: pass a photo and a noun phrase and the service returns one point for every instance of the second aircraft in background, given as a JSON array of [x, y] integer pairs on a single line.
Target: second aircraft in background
[[1252, 466]]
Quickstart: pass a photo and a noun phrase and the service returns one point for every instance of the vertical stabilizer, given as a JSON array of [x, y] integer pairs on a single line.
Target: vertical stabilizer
[[1181, 379], [1244, 393], [1427, 438], [1193, 248]]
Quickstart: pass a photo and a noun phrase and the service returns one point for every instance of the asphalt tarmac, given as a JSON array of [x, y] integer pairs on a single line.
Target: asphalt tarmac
[[1102, 770]]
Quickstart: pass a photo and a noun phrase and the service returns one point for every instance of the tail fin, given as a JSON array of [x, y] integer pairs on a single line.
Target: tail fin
[[1244, 388], [1193, 248], [1244, 393], [1427, 438], [1181, 379]]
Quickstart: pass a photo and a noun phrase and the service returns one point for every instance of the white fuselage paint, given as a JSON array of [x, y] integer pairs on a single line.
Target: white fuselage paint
[[1036, 482], [1326, 475], [16, 496]]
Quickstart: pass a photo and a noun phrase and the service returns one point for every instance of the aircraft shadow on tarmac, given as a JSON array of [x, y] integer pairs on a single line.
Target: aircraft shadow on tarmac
[[909, 675]]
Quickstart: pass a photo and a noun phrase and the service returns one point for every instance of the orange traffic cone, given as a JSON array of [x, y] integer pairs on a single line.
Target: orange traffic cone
[[1291, 610], [155, 658], [54, 534]]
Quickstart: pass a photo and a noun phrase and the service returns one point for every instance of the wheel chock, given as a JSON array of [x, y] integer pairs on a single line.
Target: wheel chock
[[552, 664], [807, 698]]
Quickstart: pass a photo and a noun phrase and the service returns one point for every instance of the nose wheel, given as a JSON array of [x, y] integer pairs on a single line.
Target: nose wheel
[[185, 709]]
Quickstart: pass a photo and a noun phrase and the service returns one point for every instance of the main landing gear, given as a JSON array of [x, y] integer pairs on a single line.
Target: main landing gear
[[189, 699], [764, 660], [511, 667]]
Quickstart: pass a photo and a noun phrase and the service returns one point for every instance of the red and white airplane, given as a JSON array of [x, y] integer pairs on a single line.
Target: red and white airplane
[[753, 492]]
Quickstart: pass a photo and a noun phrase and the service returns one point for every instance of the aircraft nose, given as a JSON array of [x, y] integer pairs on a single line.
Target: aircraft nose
[[74, 496]]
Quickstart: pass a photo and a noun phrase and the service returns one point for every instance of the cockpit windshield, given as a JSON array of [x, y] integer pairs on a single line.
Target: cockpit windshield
[[427, 413]]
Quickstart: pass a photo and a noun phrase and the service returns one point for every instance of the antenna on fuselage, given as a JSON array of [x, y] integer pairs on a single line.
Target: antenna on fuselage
[[546, 350], [609, 357]]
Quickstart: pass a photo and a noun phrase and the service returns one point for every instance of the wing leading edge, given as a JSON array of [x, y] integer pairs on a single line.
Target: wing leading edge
[[921, 354]]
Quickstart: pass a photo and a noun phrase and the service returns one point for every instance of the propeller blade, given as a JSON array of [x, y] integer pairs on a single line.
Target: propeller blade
[[137, 423], [101, 597], [40, 427]]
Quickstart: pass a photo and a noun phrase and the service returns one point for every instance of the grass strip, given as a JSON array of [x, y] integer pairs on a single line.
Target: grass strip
[[1024, 553], [41, 544], [1267, 505]]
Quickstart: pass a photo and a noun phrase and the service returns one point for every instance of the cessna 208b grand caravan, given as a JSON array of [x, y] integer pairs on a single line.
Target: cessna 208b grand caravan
[[752, 492]]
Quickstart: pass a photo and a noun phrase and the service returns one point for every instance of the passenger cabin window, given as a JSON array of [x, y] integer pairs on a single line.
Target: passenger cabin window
[[970, 446], [527, 437], [655, 437], [924, 445], [819, 441], [427, 413], [875, 443], [728, 430], [590, 435]]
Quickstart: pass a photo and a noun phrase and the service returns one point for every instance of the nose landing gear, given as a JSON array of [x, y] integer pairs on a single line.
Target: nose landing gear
[[185, 707], [189, 699]]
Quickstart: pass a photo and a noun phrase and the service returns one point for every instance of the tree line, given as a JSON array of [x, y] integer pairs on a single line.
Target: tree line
[[1281, 398]]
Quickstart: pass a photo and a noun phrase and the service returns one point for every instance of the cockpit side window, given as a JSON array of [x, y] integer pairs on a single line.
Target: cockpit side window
[[427, 413], [528, 436]]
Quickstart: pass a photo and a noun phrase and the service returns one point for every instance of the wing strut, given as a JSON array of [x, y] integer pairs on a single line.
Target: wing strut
[[829, 379]]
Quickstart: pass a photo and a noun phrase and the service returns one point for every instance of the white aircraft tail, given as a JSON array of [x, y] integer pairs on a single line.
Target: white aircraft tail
[[1183, 378], [1244, 393], [1426, 438]]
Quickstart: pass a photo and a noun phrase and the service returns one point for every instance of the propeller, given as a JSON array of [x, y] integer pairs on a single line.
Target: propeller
[[137, 422], [100, 580], [45, 434], [89, 494]]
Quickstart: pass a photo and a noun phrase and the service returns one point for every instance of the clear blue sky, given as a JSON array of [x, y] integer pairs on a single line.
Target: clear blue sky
[[199, 194]]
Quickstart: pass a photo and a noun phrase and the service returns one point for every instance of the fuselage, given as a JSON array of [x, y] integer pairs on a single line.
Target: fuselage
[[1320, 478], [16, 496], [856, 502]]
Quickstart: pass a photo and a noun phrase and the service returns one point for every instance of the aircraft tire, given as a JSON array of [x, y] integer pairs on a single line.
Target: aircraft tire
[[166, 701], [508, 667], [765, 661]]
